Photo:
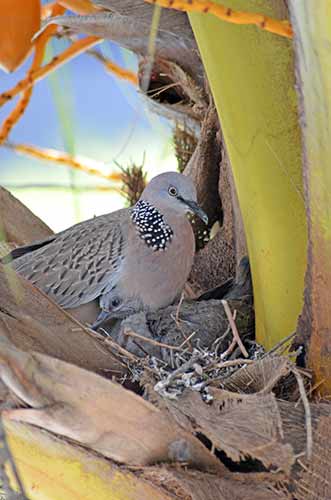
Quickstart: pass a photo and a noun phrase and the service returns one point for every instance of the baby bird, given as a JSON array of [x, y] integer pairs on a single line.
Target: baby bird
[[118, 308]]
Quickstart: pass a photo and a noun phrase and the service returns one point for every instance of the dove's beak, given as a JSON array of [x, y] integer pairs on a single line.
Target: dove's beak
[[196, 210]]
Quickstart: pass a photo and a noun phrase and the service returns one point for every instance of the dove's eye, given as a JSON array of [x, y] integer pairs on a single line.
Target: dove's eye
[[172, 191], [115, 302]]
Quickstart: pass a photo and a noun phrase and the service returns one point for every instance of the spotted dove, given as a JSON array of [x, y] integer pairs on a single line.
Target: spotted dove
[[142, 255]]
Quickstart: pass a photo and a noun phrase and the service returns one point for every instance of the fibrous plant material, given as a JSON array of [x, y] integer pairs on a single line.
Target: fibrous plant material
[[204, 168], [185, 142], [240, 425], [172, 86], [312, 29], [133, 181]]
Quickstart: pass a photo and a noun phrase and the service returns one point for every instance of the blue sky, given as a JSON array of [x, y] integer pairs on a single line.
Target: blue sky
[[84, 110]]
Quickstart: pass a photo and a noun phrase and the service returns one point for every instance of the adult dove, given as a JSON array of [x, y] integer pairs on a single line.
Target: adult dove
[[143, 254]]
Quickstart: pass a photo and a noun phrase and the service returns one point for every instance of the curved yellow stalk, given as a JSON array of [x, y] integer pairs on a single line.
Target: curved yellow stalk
[[252, 79], [53, 469]]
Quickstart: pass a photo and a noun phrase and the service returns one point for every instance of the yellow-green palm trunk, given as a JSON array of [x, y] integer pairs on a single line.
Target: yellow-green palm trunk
[[251, 73]]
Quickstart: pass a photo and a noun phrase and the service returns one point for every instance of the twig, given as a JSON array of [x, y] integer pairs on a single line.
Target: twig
[[146, 76], [86, 165], [182, 369], [178, 321], [123, 73], [120, 349], [178, 309], [187, 340], [24, 100], [279, 345], [229, 350], [231, 362], [130, 333], [74, 50], [306, 405], [316, 386], [234, 328]]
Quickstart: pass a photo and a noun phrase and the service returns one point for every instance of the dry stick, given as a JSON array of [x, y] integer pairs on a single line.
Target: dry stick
[[125, 74], [178, 309], [232, 362], [316, 386], [61, 158], [147, 72], [187, 340], [177, 321], [74, 50], [120, 349], [114, 345], [234, 328], [130, 333], [183, 368], [279, 27], [305, 402], [279, 345], [229, 350]]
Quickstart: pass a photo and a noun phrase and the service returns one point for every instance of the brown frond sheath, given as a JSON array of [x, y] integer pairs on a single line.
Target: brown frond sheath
[[279, 27], [62, 158]]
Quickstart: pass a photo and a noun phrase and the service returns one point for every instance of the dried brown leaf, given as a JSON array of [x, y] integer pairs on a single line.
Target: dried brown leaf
[[193, 485], [17, 223], [95, 412], [314, 481], [31, 321], [240, 425], [261, 376]]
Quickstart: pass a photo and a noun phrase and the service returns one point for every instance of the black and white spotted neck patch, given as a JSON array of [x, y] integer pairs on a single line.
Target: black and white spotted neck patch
[[151, 225]]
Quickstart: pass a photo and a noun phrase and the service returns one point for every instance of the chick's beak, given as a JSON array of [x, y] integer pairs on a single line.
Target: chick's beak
[[195, 209]]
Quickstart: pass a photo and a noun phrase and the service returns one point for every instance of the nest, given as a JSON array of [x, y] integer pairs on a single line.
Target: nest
[[185, 142]]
